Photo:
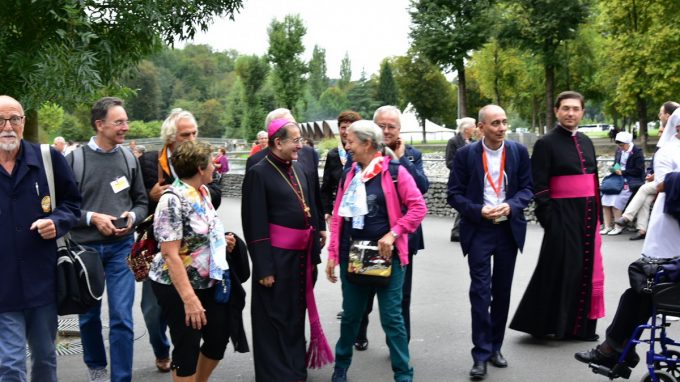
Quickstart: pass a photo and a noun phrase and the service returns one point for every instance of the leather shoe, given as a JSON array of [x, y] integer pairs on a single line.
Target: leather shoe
[[478, 371], [163, 365], [596, 356], [498, 360], [621, 222], [361, 345], [339, 375], [638, 236]]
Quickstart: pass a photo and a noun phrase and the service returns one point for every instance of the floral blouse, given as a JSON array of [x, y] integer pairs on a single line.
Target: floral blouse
[[177, 218]]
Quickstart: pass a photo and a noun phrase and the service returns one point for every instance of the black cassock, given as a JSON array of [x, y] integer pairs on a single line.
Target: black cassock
[[557, 300], [278, 313]]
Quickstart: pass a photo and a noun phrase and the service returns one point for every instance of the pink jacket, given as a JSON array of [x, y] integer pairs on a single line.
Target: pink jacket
[[402, 225]]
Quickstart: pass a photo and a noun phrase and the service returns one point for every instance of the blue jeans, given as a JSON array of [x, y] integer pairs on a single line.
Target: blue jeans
[[355, 299], [120, 289], [155, 323], [38, 327]]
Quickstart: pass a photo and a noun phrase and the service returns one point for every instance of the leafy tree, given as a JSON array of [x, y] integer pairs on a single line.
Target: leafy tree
[[51, 118], [145, 104], [318, 79], [66, 50], [236, 112], [423, 86], [333, 101], [210, 116], [74, 129], [641, 50], [361, 98], [345, 72], [285, 54], [541, 27], [252, 70], [446, 31], [387, 86]]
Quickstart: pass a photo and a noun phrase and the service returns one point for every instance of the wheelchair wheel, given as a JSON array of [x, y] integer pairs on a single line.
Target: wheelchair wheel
[[672, 368], [661, 375]]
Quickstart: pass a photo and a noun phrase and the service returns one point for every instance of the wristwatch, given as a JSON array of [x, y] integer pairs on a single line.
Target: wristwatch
[[394, 234]]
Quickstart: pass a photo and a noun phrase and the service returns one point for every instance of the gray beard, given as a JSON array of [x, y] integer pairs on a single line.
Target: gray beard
[[9, 147]]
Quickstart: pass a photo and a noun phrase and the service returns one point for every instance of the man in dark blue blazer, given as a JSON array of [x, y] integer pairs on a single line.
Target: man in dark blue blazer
[[490, 185]]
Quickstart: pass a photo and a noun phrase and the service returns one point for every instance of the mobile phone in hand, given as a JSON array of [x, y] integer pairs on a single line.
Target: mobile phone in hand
[[120, 223]]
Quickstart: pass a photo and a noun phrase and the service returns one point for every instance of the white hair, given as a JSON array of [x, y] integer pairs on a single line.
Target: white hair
[[465, 123], [59, 140], [366, 130], [276, 114], [169, 126], [387, 109], [261, 134]]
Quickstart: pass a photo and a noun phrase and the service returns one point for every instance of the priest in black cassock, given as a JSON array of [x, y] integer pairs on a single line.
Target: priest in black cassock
[[565, 296], [281, 222]]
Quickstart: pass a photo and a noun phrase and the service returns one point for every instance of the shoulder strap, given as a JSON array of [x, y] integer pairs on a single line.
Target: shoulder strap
[[394, 173], [130, 163], [49, 172], [78, 166]]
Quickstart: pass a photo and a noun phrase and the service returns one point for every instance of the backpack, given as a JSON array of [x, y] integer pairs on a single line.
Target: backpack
[[78, 165], [80, 272]]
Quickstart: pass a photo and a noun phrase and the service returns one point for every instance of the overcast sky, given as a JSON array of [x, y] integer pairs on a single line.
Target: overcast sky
[[369, 30]]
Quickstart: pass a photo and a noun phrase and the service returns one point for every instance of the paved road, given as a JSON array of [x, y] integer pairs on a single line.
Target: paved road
[[440, 347]]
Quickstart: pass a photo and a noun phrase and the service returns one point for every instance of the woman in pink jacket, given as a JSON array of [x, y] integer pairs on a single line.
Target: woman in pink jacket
[[368, 208]]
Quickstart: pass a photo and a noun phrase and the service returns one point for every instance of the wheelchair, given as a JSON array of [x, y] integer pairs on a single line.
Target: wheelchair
[[662, 362]]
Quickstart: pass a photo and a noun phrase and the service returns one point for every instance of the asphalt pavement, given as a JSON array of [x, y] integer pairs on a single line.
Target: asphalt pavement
[[440, 320]]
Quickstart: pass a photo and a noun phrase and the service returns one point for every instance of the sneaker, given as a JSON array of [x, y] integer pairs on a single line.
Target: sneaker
[[606, 230], [99, 375], [616, 231]]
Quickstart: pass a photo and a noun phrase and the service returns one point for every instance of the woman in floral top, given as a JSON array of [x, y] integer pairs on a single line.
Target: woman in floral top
[[191, 262]]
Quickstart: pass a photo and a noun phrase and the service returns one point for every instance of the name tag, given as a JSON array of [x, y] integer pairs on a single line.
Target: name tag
[[120, 184]]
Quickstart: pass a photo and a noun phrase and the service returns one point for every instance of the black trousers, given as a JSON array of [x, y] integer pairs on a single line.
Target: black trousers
[[405, 303], [634, 309]]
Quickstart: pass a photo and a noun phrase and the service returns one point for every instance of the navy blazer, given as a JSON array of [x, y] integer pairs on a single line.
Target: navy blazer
[[28, 276], [634, 174], [466, 190]]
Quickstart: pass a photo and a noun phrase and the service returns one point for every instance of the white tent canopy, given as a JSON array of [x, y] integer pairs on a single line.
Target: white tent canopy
[[412, 131]]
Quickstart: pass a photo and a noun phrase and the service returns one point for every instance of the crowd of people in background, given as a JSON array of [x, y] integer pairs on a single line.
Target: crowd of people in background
[[367, 209]]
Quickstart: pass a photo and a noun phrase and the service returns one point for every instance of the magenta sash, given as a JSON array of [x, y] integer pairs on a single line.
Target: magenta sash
[[319, 352], [582, 186], [573, 186]]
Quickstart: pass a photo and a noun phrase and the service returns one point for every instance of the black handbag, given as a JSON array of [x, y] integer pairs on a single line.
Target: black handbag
[[612, 184], [80, 272], [80, 278], [366, 265], [642, 272]]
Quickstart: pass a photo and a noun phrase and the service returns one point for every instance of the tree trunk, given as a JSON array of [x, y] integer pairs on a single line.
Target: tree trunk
[[31, 126], [641, 106], [496, 86], [462, 90], [549, 96], [423, 121]]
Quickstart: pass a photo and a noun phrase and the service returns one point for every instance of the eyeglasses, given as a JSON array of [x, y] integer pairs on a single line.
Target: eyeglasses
[[384, 126], [119, 122], [14, 120], [296, 141]]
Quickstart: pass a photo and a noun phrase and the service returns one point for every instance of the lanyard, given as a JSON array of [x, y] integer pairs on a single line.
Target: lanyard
[[496, 189]]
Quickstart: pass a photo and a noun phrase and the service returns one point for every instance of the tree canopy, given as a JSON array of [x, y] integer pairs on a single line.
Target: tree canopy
[[66, 51]]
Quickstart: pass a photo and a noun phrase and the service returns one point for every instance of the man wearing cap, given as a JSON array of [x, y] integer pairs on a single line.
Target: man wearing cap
[[281, 223]]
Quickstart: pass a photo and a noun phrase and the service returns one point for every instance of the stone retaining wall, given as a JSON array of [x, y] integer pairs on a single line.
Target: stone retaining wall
[[435, 197]]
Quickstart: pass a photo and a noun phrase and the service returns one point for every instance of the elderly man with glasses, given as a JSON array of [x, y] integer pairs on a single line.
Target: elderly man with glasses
[[28, 301]]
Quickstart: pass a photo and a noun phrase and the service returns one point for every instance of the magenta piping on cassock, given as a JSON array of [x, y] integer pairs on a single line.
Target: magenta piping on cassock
[[319, 352]]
